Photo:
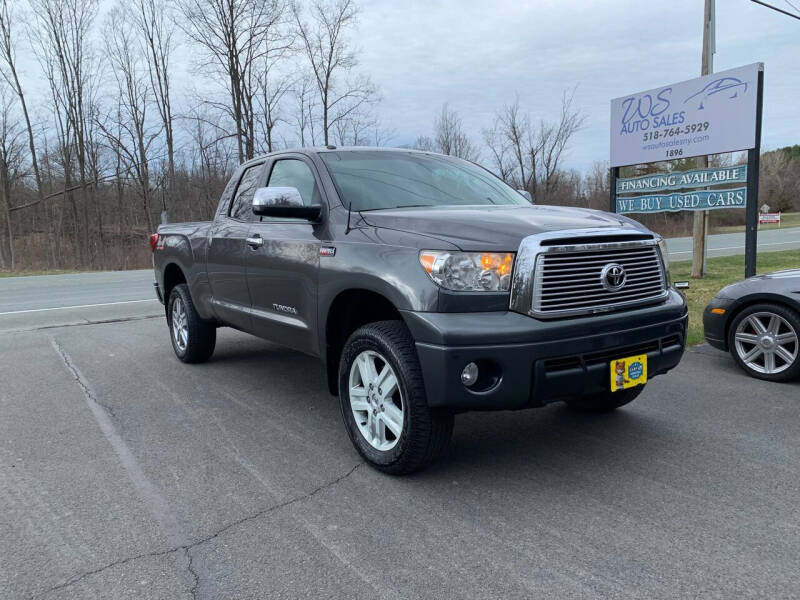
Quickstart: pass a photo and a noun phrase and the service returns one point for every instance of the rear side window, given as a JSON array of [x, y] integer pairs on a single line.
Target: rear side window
[[291, 172], [242, 205]]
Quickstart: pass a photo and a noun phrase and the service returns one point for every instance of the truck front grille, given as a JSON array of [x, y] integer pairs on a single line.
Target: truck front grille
[[587, 280]]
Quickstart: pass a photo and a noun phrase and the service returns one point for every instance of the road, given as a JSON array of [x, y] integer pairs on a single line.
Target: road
[[730, 244], [126, 474], [101, 290]]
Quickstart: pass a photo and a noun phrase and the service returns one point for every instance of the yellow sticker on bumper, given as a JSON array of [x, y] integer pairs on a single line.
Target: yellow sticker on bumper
[[628, 372]]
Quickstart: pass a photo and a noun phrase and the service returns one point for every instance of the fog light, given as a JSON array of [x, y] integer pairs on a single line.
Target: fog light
[[470, 374]]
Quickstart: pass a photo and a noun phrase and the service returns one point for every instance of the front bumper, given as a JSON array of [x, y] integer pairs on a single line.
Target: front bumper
[[540, 361], [715, 324]]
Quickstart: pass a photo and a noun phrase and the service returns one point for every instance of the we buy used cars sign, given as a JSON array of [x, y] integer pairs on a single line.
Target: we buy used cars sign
[[708, 115]]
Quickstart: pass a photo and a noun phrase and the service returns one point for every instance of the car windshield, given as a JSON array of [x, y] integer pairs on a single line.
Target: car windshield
[[374, 180]]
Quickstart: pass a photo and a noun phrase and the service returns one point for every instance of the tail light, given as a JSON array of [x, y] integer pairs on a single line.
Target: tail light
[[153, 241]]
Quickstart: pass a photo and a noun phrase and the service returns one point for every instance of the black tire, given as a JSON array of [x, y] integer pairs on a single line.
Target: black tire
[[792, 318], [425, 431], [604, 401], [202, 335]]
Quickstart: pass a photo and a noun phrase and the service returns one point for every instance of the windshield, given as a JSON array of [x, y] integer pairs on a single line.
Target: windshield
[[372, 180]]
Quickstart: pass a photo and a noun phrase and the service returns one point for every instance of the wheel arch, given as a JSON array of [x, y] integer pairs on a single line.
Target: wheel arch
[[173, 275], [349, 310]]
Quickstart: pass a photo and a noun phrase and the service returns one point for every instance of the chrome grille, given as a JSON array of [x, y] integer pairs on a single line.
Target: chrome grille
[[569, 281]]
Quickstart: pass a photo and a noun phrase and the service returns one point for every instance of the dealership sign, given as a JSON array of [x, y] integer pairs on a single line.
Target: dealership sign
[[708, 115], [700, 200], [695, 200], [656, 182]]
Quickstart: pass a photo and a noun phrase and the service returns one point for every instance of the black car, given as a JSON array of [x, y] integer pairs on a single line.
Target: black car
[[758, 321]]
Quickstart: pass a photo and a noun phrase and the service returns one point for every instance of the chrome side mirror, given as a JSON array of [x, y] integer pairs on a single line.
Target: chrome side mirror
[[283, 202], [527, 195]]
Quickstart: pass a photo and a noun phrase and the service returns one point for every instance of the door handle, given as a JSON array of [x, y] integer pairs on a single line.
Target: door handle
[[255, 242]]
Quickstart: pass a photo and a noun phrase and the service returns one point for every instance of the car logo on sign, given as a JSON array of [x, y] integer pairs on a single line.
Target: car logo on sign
[[613, 277]]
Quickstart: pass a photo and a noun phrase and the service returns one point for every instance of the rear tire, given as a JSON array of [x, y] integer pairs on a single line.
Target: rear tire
[[193, 339], [604, 401], [383, 402]]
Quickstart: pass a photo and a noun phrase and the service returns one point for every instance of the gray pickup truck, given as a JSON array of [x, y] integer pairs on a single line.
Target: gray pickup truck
[[427, 287]]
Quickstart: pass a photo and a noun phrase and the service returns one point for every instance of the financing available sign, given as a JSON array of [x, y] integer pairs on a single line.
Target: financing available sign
[[696, 178], [708, 115], [646, 201]]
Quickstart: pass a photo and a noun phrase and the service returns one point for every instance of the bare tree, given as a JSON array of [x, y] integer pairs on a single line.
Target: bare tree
[[425, 143], [530, 158], [64, 34], [151, 17], [305, 120], [553, 139], [133, 137], [237, 35], [8, 56], [341, 92], [449, 137], [11, 158], [272, 88]]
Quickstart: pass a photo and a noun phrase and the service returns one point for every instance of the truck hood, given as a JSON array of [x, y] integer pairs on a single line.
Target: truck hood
[[498, 228]]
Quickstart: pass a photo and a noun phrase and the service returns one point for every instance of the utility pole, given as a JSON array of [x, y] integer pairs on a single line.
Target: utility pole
[[700, 223]]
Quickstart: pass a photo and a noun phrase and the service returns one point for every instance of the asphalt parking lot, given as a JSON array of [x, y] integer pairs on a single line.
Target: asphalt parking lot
[[126, 474]]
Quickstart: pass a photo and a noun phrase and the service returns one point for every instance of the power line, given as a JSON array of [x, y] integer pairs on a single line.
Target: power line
[[792, 5], [780, 10]]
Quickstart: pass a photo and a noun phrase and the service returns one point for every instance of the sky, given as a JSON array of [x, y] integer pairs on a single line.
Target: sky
[[478, 56]]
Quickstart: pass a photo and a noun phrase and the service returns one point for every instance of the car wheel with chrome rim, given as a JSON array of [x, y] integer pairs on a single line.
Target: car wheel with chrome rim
[[383, 401], [193, 339], [764, 339]]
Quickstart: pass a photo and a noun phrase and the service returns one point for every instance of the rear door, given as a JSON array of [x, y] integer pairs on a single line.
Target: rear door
[[282, 274], [226, 258]]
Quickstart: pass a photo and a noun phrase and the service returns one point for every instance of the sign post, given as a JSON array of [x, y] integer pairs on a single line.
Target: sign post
[[712, 114], [753, 160]]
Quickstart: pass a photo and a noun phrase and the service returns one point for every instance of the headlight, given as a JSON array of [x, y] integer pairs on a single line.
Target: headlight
[[469, 271], [662, 246]]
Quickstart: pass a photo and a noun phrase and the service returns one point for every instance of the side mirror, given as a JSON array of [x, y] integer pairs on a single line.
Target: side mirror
[[283, 202], [527, 195]]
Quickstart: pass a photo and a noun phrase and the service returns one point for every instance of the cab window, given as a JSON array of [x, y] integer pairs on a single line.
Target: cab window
[[242, 205]]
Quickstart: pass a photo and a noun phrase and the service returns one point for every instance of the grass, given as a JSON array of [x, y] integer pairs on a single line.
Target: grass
[[787, 220], [719, 273]]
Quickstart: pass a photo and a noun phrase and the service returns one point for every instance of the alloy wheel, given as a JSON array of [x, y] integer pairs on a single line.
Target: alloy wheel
[[180, 325], [376, 401], [766, 343]]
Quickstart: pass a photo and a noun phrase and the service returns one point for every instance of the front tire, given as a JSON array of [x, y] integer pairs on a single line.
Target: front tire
[[764, 340], [383, 401], [604, 401], [193, 339]]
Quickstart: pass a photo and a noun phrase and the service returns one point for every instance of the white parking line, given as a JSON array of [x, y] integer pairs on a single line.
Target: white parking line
[[33, 310], [736, 247]]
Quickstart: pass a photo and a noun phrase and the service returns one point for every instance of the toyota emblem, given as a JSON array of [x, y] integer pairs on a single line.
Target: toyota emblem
[[613, 277]]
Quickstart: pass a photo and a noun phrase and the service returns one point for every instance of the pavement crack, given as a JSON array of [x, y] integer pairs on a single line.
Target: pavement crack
[[275, 507], [83, 323], [79, 379], [190, 567], [187, 548], [123, 561]]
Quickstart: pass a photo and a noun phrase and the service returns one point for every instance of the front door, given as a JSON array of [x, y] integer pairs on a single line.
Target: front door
[[282, 273], [226, 258]]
